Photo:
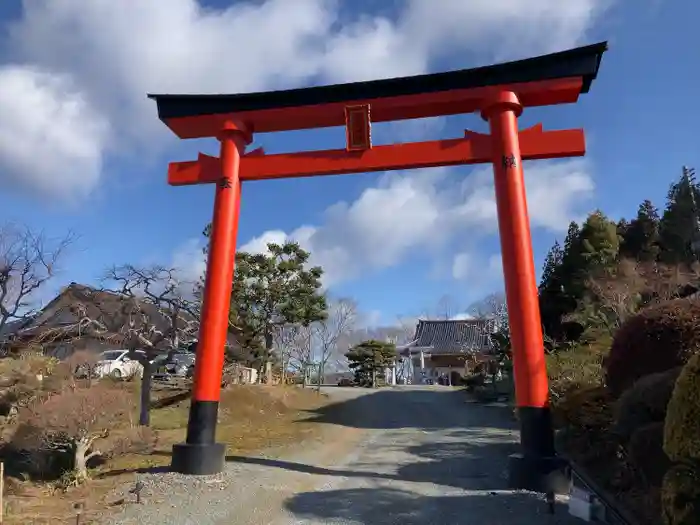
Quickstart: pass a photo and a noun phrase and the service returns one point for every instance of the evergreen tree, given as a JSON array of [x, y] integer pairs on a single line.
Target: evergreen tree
[[640, 240], [622, 227], [588, 250], [270, 291], [679, 224], [551, 262], [274, 290], [369, 359], [599, 246], [556, 299]]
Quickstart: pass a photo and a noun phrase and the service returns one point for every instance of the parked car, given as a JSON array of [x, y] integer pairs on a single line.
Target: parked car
[[179, 363], [346, 382], [118, 364]]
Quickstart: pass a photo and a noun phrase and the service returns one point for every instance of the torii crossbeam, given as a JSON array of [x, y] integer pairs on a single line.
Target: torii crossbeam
[[498, 92]]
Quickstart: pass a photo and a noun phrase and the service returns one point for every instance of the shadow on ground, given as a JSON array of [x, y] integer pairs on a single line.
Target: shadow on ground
[[465, 465], [399, 406], [386, 506]]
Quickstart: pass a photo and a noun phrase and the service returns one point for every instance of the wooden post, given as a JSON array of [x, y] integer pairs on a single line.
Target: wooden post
[[2, 492]]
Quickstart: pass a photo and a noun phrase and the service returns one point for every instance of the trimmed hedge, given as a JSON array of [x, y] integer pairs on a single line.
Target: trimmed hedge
[[682, 429], [646, 452], [657, 339], [680, 495], [645, 402]]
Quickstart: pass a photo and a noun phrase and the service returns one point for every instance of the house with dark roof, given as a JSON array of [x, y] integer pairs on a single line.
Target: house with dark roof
[[446, 347], [57, 328]]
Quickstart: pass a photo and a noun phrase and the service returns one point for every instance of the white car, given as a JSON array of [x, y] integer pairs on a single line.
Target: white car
[[118, 364]]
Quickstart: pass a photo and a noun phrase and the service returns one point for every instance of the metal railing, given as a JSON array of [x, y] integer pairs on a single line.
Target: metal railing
[[609, 511]]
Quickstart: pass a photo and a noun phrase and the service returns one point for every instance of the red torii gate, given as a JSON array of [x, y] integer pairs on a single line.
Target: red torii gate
[[498, 92]]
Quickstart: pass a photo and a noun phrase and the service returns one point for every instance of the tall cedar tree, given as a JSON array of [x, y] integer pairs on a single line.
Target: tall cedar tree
[[640, 239], [589, 250], [556, 299], [369, 359], [679, 222]]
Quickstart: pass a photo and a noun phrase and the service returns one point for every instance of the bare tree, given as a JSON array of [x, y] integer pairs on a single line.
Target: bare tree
[[300, 349], [28, 260], [662, 282], [284, 340], [614, 297], [146, 310], [446, 307], [494, 309], [156, 315], [329, 332], [493, 306]]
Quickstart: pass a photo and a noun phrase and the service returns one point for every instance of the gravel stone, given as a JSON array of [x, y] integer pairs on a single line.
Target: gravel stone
[[398, 456]]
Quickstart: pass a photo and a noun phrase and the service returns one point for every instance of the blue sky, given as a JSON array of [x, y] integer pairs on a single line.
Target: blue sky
[[82, 150]]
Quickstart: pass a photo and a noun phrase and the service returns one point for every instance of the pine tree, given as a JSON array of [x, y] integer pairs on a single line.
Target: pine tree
[[274, 290], [369, 359], [640, 241]]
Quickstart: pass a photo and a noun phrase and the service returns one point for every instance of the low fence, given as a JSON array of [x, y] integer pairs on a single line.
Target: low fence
[[590, 502]]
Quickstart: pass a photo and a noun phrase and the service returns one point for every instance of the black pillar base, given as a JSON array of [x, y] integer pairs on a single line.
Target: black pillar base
[[199, 459], [539, 474], [537, 468], [200, 455]]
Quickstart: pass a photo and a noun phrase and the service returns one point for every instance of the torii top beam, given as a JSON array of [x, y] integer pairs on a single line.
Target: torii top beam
[[557, 78]]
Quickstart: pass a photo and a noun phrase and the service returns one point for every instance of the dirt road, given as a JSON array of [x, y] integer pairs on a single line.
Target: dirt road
[[404, 456]]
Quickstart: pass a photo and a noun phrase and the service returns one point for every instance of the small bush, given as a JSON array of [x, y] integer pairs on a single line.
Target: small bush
[[586, 418], [24, 386], [646, 452], [659, 338], [73, 422], [680, 495], [645, 402], [587, 407], [682, 429]]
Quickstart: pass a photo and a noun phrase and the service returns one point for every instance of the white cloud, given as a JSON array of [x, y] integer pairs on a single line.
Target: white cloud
[[115, 52], [51, 138], [190, 261], [423, 211], [461, 317], [461, 266], [495, 265]]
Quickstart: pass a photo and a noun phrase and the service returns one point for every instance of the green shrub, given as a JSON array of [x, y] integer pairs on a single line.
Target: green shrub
[[645, 402], [587, 407], [658, 338], [585, 417], [646, 452], [680, 495], [682, 429], [579, 367]]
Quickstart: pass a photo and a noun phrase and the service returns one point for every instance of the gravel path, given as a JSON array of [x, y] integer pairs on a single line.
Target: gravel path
[[402, 456]]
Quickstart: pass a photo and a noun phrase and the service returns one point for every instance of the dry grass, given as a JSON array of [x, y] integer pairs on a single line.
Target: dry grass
[[578, 367], [251, 418]]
